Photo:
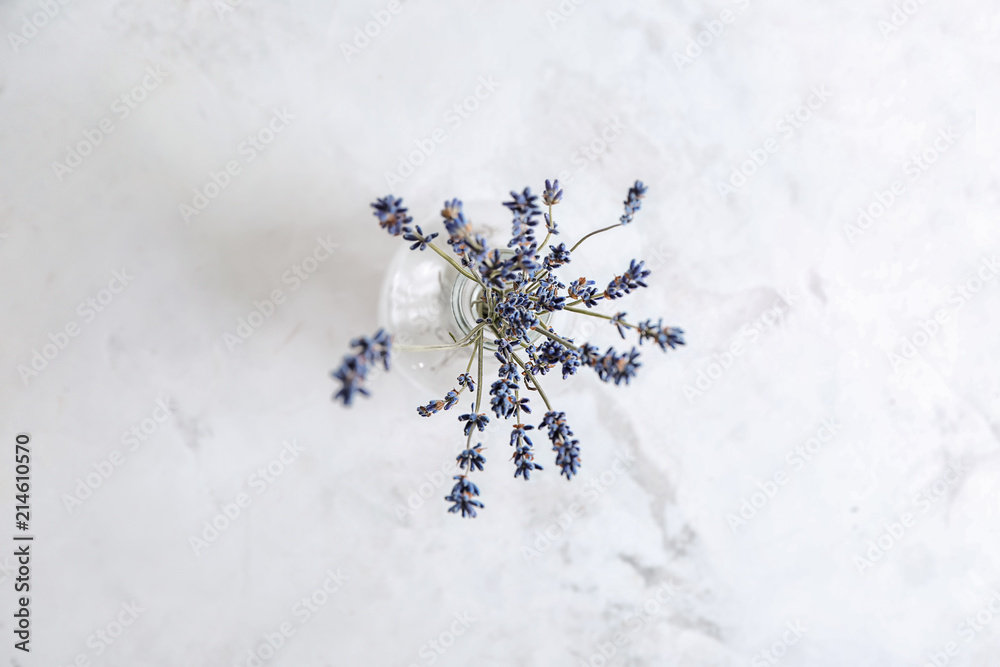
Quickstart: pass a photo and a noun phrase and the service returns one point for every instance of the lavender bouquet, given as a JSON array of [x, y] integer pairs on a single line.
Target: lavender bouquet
[[518, 292]]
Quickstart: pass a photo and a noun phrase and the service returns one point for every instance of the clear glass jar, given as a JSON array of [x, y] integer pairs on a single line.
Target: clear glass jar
[[425, 301]]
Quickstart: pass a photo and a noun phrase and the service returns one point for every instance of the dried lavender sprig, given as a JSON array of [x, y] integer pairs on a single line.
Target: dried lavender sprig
[[663, 337], [534, 381], [354, 370], [463, 493], [632, 204], [523, 457]]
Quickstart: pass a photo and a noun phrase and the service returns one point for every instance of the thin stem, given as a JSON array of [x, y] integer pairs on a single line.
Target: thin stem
[[544, 272], [603, 229], [559, 339], [471, 357], [547, 237], [451, 261], [537, 387], [517, 404], [581, 311], [597, 297], [537, 281], [479, 384], [479, 388], [468, 366], [469, 339]]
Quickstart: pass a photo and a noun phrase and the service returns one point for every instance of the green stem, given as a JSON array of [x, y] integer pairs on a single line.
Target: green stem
[[581, 311], [471, 357], [538, 278], [537, 387], [467, 367], [451, 261], [547, 237], [469, 338], [479, 384], [598, 297], [603, 229], [584, 311], [537, 281], [517, 405], [559, 339]]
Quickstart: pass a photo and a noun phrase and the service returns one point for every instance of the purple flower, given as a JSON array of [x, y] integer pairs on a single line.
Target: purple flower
[[352, 375], [581, 289], [462, 495], [418, 236], [460, 235], [670, 337], [474, 420], [524, 460], [634, 201], [557, 256], [450, 399], [552, 194], [618, 321], [616, 367], [392, 215], [567, 450], [354, 369], [503, 402], [471, 458], [628, 281], [465, 380]]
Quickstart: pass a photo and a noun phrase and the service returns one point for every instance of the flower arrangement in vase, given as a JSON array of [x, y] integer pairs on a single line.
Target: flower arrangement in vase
[[511, 296]]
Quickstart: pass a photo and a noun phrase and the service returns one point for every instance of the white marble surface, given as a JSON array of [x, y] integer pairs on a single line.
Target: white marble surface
[[843, 302]]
